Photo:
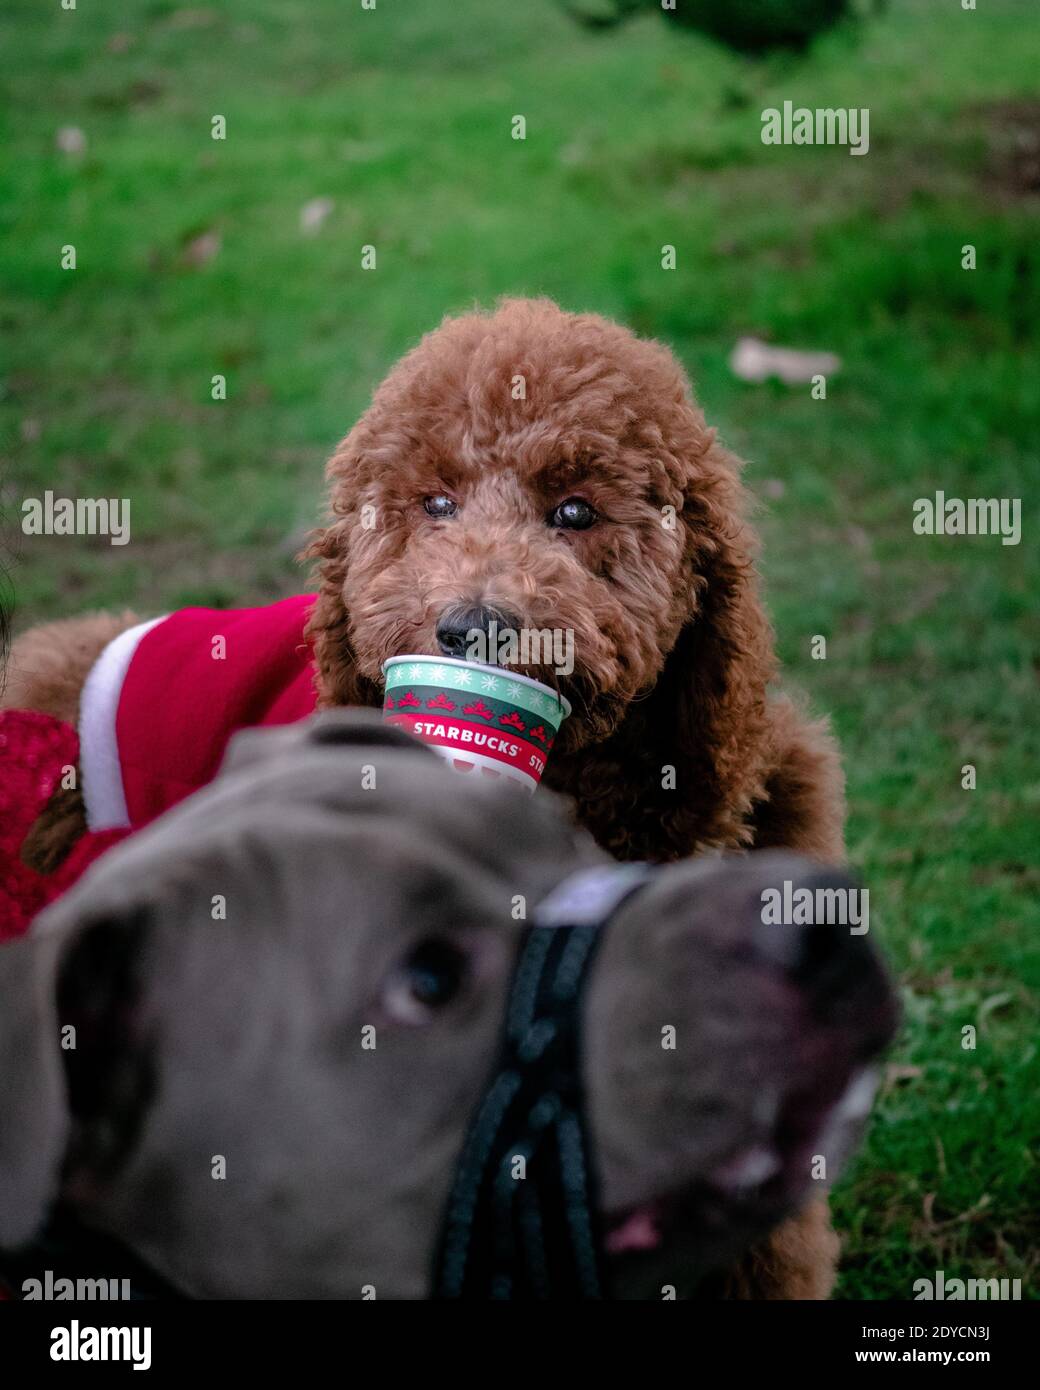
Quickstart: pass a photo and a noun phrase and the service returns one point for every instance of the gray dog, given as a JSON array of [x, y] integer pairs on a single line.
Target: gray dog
[[288, 995]]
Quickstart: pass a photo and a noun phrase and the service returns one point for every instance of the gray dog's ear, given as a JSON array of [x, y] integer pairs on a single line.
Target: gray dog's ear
[[73, 1078], [33, 1112], [344, 727]]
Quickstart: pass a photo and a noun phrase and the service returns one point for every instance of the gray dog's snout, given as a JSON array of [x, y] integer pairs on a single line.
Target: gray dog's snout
[[456, 627]]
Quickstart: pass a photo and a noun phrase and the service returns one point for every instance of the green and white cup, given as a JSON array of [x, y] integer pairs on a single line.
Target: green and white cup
[[484, 720]]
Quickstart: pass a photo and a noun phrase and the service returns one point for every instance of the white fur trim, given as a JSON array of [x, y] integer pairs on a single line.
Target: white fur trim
[[102, 775]]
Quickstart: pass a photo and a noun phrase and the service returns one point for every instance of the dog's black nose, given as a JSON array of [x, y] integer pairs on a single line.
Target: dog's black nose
[[464, 632]]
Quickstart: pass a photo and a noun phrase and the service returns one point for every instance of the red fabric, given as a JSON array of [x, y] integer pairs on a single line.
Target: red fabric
[[35, 753], [180, 705], [491, 743], [178, 708]]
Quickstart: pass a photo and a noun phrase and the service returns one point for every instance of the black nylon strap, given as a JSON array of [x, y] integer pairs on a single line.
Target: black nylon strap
[[534, 1236]]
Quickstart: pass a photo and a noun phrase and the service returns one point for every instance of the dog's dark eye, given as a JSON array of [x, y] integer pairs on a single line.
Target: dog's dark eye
[[427, 979], [573, 515], [440, 506]]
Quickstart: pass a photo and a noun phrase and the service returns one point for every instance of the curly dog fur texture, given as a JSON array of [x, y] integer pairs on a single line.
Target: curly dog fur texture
[[673, 652], [676, 744]]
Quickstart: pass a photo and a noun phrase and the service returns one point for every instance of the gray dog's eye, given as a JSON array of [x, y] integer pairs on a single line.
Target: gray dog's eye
[[440, 506], [427, 979], [573, 515]]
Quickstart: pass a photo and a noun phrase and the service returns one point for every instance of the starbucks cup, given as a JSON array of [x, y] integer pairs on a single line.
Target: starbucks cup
[[484, 720]]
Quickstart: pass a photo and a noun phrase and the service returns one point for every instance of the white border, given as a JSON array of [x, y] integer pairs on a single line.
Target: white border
[[100, 770], [452, 751]]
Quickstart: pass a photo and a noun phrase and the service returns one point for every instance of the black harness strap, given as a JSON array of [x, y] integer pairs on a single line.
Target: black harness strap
[[522, 1219]]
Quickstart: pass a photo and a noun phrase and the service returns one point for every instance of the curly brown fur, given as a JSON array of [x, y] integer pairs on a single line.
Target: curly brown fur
[[673, 651], [49, 663], [799, 1261]]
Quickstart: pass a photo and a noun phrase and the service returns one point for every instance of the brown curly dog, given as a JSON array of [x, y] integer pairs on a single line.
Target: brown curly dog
[[578, 488], [543, 470]]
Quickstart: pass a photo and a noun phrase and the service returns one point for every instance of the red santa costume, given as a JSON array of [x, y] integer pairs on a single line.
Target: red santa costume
[[164, 698], [156, 713]]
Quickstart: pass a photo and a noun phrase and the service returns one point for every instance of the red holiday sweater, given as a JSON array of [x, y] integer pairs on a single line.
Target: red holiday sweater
[[163, 701], [156, 715]]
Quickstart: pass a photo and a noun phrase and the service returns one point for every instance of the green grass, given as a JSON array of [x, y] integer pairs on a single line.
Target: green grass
[[636, 138]]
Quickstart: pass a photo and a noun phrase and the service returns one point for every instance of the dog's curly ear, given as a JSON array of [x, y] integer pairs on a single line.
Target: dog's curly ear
[[716, 678], [34, 1120], [72, 1079], [329, 626], [329, 547]]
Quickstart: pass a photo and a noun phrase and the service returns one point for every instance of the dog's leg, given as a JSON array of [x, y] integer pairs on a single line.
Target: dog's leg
[[805, 811], [799, 1260]]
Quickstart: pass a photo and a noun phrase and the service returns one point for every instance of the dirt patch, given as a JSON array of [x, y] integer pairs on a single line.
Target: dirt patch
[[1013, 140]]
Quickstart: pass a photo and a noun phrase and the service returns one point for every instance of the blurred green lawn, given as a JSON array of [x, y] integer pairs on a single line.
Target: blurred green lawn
[[635, 138]]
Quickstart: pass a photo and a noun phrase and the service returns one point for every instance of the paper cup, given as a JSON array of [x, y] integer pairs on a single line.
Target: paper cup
[[483, 720]]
